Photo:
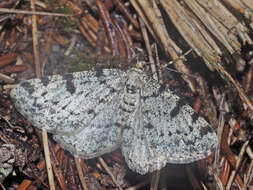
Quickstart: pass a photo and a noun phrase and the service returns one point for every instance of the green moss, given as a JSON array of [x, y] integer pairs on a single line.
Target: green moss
[[65, 25], [85, 61], [82, 62]]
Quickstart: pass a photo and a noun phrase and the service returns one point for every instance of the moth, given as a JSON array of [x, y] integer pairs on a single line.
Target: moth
[[91, 113]]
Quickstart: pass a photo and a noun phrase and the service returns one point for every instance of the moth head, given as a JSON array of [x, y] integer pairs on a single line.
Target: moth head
[[134, 81]]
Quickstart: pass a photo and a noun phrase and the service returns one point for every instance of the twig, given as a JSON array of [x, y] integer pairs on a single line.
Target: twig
[[6, 78], [248, 175], [152, 18], [249, 152], [109, 172], [4, 138], [35, 42], [222, 33], [192, 178], [101, 36], [221, 124], [2, 186], [56, 166], [16, 11], [240, 7], [13, 69], [7, 59], [218, 181], [9, 86], [122, 8], [92, 34], [157, 60], [220, 13], [19, 129], [239, 89], [139, 10], [123, 41], [80, 173], [155, 180], [119, 37], [233, 173], [129, 43], [225, 147], [147, 43], [48, 160], [138, 186], [203, 185], [109, 27], [85, 34], [91, 22], [71, 46], [194, 33], [71, 177], [224, 174], [24, 185], [249, 77]]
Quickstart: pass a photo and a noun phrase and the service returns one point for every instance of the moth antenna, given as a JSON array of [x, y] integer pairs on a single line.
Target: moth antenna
[[182, 57]]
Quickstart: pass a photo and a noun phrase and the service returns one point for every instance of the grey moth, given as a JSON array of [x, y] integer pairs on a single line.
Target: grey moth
[[91, 113]]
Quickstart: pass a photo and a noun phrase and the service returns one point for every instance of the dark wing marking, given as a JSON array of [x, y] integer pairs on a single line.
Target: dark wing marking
[[164, 139], [64, 104], [101, 136]]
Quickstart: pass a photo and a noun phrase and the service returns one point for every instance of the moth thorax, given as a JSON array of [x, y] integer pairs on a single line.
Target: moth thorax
[[130, 102], [132, 92], [134, 82]]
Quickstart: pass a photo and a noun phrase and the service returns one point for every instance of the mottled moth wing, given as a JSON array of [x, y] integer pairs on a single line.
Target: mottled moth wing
[[168, 131], [68, 103], [100, 137], [86, 111]]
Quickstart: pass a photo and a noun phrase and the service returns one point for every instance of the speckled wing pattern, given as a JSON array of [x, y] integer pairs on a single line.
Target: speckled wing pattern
[[87, 110], [64, 104]]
